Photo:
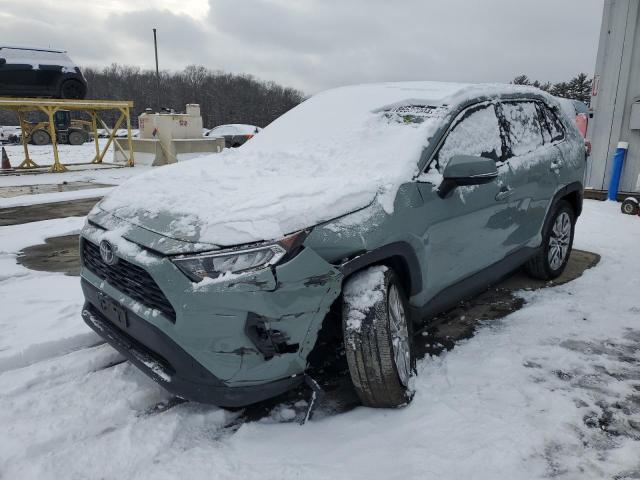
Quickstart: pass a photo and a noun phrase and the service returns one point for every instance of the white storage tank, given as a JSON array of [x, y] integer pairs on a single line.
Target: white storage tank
[[169, 137]]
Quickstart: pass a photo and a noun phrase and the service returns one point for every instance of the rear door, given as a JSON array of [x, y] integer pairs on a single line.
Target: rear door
[[466, 231], [531, 178], [556, 135]]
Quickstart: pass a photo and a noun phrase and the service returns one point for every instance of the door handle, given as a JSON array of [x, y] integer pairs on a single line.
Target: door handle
[[504, 193]]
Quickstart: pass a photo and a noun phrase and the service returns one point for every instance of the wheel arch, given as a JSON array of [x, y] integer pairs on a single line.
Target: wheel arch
[[398, 255], [70, 77], [572, 193]]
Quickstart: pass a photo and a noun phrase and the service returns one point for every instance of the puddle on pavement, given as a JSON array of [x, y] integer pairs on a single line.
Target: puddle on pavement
[[18, 190], [328, 364], [57, 254]]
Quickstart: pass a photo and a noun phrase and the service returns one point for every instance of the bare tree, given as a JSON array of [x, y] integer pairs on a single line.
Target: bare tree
[[223, 97]]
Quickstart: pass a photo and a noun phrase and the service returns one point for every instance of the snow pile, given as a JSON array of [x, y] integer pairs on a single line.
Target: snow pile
[[333, 154]]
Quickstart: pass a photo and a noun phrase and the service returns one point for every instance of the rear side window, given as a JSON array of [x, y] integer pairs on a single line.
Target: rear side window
[[522, 127], [476, 133], [552, 123]]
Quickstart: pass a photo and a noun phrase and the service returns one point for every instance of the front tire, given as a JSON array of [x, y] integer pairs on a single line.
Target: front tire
[[557, 242], [377, 337]]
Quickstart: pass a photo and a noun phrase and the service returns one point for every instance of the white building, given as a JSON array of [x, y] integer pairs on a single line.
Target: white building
[[615, 100]]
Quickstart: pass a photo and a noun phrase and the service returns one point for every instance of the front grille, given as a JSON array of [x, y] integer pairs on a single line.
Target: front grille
[[130, 279]]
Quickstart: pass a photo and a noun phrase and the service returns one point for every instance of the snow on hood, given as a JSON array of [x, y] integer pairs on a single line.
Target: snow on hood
[[333, 154]]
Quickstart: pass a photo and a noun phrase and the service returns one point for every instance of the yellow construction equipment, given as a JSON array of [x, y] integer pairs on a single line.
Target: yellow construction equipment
[[50, 107], [73, 132]]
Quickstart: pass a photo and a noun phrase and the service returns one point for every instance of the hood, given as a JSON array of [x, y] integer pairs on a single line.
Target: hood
[[200, 202]]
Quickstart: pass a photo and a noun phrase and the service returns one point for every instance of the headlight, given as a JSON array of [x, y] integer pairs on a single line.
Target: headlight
[[214, 264]]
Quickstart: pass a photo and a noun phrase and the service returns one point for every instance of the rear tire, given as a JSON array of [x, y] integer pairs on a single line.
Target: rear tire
[[72, 90], [377, 337], [40, 137], [557, 242]]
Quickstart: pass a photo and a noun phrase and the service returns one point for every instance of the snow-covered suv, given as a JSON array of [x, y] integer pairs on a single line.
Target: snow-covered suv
[[390, 201], [37, 72]]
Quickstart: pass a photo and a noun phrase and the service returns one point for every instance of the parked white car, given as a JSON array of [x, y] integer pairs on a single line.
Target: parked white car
[[234, 134]]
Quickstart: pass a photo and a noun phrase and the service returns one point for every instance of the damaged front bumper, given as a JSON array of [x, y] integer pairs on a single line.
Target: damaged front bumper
[[167, 363], [232, 342]]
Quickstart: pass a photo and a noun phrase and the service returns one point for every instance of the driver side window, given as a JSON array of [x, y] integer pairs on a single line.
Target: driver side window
[[476, 132]]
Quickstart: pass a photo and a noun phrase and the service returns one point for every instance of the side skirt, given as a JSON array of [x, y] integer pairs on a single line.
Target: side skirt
[[470, 286]]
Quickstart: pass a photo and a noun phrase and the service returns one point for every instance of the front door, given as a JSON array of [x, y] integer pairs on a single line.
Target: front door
[[467, 230]]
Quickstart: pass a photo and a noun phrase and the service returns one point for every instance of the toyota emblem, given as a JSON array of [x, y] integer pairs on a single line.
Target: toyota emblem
[[108, 253]]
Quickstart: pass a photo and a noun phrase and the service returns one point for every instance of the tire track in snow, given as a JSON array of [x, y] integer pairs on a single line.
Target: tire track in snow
[[47, 350]]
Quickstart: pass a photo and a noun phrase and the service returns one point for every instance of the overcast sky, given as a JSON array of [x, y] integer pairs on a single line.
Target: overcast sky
[[317, 44]]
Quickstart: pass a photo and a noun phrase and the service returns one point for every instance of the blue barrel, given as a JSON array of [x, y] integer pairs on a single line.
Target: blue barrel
[[616, 173]]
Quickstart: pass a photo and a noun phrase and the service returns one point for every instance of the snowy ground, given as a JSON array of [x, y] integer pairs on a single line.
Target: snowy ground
[[43, 154], [552, 390], [69, 154]]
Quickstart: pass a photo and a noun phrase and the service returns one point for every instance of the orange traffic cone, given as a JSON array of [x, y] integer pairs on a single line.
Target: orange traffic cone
[[6, 164]]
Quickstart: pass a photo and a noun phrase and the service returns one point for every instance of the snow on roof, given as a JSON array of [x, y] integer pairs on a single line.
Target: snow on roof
[[36, 57], [35, 49], [335, 153]]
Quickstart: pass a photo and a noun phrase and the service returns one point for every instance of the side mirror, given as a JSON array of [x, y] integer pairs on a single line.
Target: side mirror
[[3, 61], [463, 170]]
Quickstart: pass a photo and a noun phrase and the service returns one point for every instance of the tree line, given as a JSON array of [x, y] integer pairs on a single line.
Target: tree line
[[223, 97], [578, 88]]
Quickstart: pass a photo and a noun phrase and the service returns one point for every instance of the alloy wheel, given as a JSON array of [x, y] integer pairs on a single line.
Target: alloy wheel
[[399, 335], [559, 241]]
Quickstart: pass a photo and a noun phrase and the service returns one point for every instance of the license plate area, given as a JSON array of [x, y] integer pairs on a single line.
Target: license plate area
[[113, 311]]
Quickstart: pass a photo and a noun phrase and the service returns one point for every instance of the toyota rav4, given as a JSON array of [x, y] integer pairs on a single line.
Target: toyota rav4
[[387, 202]]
